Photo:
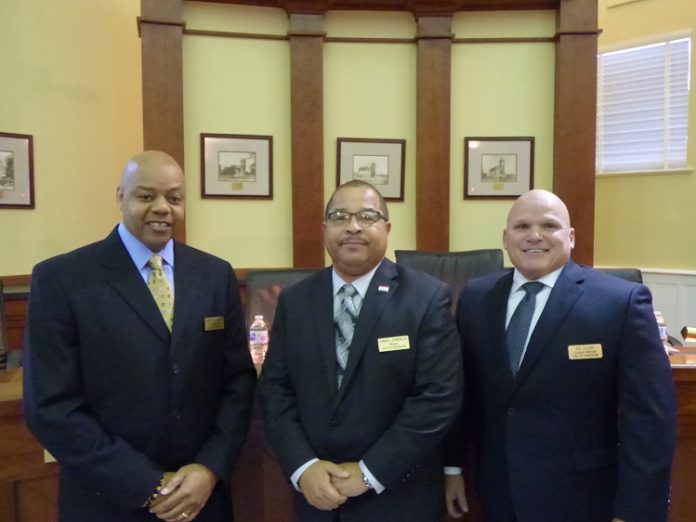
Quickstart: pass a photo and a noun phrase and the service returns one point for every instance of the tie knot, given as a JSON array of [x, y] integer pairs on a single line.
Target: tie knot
[[533, 288], [349, 290], [156, 262]]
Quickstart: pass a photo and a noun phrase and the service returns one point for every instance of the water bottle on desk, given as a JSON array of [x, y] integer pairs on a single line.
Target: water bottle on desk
[[258, 339]]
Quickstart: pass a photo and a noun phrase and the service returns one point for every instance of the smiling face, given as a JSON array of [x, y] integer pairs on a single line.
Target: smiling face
[[151, 198], [355, 248], [538, 236]]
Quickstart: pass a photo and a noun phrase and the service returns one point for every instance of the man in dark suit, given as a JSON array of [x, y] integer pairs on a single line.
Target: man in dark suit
[[145, 408], [583, 428], [357, 430]]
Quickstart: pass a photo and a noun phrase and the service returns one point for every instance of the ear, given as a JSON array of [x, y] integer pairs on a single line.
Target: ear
[[505, 239], [388, 226], [571, 237]]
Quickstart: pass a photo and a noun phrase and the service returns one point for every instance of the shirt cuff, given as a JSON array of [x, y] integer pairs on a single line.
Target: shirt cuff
[[295, 477], [376, 484], [453, 470]]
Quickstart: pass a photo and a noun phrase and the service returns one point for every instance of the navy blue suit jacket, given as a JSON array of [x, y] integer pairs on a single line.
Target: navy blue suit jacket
[[574, 440], [393, 407], [115, 397]]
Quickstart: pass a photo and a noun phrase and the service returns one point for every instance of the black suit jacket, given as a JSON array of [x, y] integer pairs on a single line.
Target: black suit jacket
[[115, 397], [578, 440], [392, 409]]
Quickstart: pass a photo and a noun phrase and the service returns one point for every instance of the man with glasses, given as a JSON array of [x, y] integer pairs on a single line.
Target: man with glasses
[[363, 376]]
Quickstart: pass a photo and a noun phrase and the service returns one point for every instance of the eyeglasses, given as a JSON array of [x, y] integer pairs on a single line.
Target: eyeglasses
[[363, 217]]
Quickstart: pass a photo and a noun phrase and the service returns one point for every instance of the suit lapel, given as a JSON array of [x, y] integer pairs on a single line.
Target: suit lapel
[[564, 295], [321, 294], [125, 279], [186, 284], [496, 309], [370, 312]]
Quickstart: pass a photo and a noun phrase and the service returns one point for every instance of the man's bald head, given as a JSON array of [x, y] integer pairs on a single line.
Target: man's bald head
[[151, 197], [538, 236]]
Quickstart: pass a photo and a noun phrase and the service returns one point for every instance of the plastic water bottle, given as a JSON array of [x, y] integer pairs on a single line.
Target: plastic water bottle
[[258, 339]]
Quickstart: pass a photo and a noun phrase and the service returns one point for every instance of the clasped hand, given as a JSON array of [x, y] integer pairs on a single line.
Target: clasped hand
[[184, 493], [326, 485]]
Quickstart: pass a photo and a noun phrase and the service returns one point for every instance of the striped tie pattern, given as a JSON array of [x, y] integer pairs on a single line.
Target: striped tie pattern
[[344, 324], [161, 290], [518, 328]]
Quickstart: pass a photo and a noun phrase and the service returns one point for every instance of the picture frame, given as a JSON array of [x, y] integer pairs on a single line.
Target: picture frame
[[236, 166], [498, 167], [380, 162], [16, 171]]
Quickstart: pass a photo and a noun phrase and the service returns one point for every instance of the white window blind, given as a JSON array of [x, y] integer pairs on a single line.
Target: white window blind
[[642, 107]]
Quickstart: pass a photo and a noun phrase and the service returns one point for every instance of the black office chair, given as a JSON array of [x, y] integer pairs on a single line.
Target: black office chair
[[454, 268], [634, 275], [264, 286]]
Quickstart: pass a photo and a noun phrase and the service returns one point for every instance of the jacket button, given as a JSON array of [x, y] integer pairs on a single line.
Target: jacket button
[[511, 411], [175, 369]]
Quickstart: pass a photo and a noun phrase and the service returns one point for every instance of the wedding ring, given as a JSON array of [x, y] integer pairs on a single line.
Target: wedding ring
[[184, 515]]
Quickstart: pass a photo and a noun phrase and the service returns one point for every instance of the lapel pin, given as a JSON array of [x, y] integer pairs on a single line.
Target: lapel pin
[[384, 289]]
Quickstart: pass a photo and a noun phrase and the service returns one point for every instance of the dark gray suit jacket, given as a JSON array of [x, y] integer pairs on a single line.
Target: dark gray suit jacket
[[392, 409], [578, 440], [115, 397]]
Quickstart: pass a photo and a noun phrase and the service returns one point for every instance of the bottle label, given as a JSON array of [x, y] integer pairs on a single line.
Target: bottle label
[[258, 337]]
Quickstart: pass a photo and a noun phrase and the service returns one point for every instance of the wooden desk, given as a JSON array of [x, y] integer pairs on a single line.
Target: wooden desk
[[28, 486], [683, 506]]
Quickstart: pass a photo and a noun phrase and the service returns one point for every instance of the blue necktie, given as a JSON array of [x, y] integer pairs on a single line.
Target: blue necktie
[[344, 324], [518, 327]]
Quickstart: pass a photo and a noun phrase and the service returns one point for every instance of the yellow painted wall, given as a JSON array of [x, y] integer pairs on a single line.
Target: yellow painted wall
[[501, 89], [370, 92], [238, 86], [71, 78], [73, 81], [647, 220]]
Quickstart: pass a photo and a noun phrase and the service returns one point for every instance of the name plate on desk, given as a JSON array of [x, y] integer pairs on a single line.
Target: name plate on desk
[[11, 385]]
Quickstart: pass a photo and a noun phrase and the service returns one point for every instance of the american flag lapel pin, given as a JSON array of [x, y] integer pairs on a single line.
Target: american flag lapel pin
[[383, 289]]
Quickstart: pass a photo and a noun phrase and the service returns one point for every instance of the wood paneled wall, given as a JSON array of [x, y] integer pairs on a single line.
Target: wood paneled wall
[[161, 28]]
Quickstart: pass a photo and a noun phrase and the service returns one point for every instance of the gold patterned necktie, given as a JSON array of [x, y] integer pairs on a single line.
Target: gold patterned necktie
[[161, 290]]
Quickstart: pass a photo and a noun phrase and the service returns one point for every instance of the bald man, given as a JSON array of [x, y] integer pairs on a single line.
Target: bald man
[[145, 403], [571, 401]]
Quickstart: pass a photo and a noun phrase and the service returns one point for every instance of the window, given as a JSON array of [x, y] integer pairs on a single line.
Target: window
[[642, 107]]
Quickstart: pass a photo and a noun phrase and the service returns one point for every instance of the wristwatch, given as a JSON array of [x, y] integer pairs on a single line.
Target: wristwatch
[[367, 483]]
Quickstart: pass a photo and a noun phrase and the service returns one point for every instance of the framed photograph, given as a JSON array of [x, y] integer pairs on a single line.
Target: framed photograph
[[236, 166], [498, 167], [379, 162], [16, 171]]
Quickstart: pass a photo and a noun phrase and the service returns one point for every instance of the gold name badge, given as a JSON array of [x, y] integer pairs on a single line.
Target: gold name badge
[[392, 344], [584, 351], [214, 323]]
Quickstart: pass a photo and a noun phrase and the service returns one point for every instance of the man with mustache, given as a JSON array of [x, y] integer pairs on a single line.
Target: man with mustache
[[573, 416], [137, 376], [355, 413]]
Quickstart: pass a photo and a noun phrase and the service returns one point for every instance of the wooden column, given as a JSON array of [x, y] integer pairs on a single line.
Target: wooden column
[[307, 126], [575, 119], [433, 132], [161, 29]]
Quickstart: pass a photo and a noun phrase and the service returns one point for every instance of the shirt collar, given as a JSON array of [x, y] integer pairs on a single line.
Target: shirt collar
[[549, 279], [139, 253], [360, 284]]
